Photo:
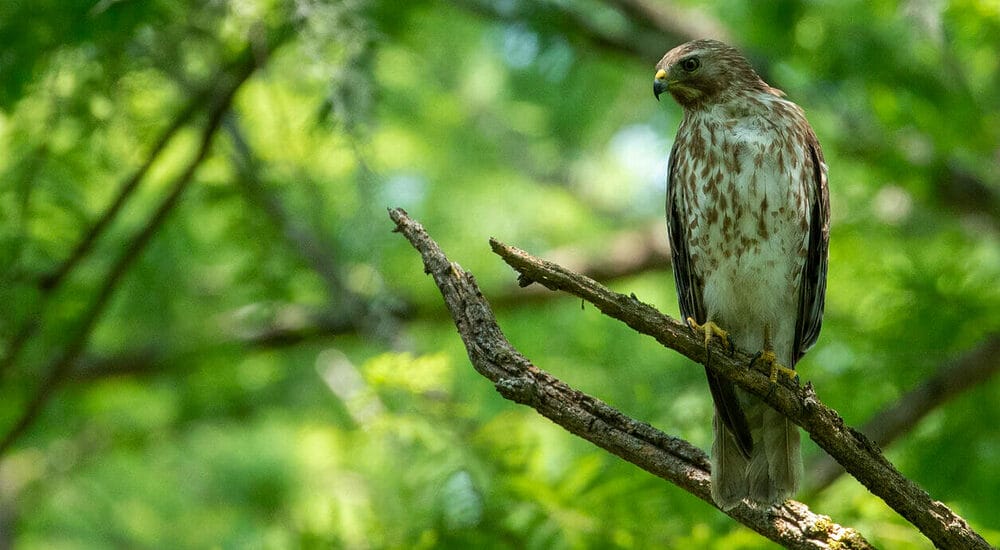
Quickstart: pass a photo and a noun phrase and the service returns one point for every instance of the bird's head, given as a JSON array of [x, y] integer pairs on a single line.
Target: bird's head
[[701, 72]]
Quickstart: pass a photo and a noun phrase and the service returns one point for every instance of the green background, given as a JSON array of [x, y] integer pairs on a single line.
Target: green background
[[267, 366]]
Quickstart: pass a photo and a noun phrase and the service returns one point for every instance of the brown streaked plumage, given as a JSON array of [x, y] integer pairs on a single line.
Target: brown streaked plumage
[[748, 222]]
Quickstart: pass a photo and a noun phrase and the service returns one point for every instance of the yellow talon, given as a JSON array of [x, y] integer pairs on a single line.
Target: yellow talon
[[710, 329], [768, 357]]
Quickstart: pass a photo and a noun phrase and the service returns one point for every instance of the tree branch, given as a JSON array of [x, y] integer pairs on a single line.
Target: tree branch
[[887, 425], [289, 325], [670, 458], [517, 379], [853, 450]]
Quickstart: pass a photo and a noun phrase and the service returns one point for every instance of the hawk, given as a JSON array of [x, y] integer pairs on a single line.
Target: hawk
[[748, 222]]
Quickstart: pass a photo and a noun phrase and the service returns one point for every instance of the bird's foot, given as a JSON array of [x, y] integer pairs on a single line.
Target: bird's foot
[[710, 329], [768, 358]]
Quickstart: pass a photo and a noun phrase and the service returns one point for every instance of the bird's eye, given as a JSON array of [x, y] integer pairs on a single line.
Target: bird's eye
[[690, 64]]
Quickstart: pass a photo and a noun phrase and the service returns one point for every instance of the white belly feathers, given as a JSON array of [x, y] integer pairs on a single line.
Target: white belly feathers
[[754, 227]]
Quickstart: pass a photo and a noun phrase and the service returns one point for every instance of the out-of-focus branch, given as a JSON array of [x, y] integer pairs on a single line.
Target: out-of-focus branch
[[351, 312], [951, 380], [576, 26], [60, 368], [305, 242], [50, 282], [289, 325], [684, 23], [239, 70], [626, 254], [133, 362], [964, 193], [516, 378]]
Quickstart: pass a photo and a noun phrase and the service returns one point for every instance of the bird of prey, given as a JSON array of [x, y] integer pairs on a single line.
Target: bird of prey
[[748, 222]]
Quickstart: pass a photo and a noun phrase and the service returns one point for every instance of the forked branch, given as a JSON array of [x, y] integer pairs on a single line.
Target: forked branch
[[667, 457], [793, 525]]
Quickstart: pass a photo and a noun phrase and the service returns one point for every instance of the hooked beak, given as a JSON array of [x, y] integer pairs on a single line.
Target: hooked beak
[[660, 83]]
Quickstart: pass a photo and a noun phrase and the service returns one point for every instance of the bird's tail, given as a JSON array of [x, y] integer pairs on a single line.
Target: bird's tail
[[774, 469], [776, 462], [729, 467]]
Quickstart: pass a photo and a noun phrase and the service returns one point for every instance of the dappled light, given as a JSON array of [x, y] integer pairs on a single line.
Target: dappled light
[[212, 337]]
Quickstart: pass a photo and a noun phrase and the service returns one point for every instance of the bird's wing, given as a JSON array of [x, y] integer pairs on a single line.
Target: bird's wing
[[813, 286], [690, 289]]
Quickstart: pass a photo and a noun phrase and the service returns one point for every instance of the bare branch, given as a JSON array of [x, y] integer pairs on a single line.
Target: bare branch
[[887, 425], [858, 454], [670, 458], [853, 450]]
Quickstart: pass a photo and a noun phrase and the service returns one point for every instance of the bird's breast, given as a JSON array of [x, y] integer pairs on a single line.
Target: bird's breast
[[743, 191]]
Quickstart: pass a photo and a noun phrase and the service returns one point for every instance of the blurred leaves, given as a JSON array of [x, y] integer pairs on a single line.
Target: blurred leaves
[[274, 370]]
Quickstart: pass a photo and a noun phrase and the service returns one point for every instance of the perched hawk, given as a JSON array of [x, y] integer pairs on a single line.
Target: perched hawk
[[748, 220]]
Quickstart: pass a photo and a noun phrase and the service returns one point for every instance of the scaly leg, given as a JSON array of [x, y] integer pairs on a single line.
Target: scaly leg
[[710, 329], [769, 358]]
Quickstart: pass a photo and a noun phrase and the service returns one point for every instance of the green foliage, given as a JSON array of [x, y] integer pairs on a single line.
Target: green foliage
[[274, 370]]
